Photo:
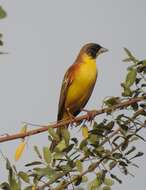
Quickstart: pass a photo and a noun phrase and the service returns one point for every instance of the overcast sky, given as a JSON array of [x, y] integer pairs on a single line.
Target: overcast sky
[[43, 39]]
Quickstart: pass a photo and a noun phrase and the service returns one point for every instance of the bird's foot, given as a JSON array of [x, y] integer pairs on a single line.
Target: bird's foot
[[72, 118], [90, 114]]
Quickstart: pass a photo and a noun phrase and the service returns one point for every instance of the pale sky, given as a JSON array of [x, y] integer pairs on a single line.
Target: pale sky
[[43, 39]]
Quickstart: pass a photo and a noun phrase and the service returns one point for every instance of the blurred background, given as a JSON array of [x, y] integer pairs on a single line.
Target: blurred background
[[43, 39]]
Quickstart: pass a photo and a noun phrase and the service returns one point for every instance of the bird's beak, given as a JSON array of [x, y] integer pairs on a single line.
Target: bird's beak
[[103, 50]]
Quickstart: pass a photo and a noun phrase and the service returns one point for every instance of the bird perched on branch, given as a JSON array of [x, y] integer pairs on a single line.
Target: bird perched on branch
[[78, 84]]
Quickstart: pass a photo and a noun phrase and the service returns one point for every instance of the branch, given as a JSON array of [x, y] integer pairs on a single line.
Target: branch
[[84, 157], [68, 121], [94, 166]]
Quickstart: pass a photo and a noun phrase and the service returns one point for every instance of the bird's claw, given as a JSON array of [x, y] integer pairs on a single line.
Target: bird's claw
[[72, 118], [90, 114]]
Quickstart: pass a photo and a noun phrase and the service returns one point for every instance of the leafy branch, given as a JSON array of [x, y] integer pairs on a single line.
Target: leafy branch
[[3, 15], [42, 129], [102, 145]]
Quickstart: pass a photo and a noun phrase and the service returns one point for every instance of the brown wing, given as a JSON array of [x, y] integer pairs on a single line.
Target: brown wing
[[65, 85]]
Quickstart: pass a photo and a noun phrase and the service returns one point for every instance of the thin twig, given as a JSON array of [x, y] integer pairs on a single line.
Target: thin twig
[[96, 164]]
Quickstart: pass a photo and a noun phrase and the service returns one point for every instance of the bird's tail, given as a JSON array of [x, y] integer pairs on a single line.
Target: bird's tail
[[53, 145], [54, 141], [59, 132]]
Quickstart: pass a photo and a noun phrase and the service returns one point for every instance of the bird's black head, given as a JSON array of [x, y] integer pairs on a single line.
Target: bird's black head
[[93, 49]]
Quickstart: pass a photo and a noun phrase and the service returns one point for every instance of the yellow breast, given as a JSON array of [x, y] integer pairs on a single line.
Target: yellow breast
[[83, 83]]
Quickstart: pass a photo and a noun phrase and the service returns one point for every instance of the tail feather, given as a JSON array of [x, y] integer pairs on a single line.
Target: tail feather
[[55, 142], [53, 145]]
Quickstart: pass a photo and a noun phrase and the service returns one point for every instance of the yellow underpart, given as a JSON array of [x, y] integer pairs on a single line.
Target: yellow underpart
[[82, 85]]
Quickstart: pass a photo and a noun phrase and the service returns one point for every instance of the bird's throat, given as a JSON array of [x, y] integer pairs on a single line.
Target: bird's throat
[[86, 59]]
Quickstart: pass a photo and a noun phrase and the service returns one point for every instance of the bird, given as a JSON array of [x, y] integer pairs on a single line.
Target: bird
[[78, 84]]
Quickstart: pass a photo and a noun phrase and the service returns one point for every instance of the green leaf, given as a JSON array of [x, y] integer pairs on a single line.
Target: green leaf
[[124, 170], [58, 155], [3, 13], [92, 167], [37, 152], [122, 163], [5, 186], [141, 66], [44, 171], [106, 188], [130, 56], [10, 169], [134, 138], [14, 185], [112, 165], [66, 135], [144, 63], [28, 188], [127, 60], [55, 175], [24, 176], [1, 43], [117, 155], [33, 163], [101, 175], [79, 165], [124, 145], [66, 168], [108, 181], [131, 77], [127, 90], [78, 181], [133, 148], [61, 146], [93, 138], [137, 155], [140, 137], [112, 101], [84, 179], [93, 185], [110, 125], [128, 52], [69, 148], [53, 134], [47, 155], [8, 164], [83, 144], [116, 178]]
